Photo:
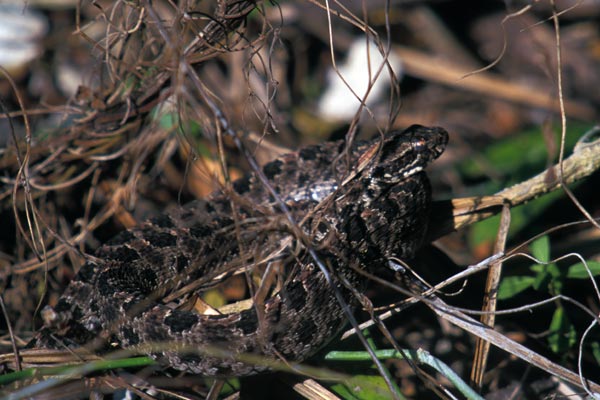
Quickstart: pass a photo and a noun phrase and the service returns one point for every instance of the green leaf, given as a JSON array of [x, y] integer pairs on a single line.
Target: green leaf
[[517, 157], [520, 218], [513, 285], [578, 271], [563, 335], [556, 286], [484, 231], [419, 356], [231, 386], [509, 161], [549, 279], [540, 248], [538, 268], [542, 280], [362, 387], [66, 371]]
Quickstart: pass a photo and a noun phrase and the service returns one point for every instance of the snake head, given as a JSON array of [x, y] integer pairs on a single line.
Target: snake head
[[406, 153]]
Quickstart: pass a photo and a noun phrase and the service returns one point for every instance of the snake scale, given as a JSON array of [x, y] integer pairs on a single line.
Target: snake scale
[[355, 207]]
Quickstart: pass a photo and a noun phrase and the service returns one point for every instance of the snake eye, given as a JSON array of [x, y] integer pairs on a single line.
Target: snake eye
[[419, 145]]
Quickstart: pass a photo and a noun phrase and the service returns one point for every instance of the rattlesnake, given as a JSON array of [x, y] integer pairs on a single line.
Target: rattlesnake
[[355, 207]]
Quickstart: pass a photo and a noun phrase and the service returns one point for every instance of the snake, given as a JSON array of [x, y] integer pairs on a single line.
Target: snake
[[307, 226]]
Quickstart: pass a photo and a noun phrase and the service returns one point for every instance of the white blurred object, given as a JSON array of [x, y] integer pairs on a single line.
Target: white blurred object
[[338, 102], [21, 31]]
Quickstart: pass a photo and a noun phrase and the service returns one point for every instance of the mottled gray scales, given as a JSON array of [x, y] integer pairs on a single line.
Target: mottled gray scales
[[353, 219]]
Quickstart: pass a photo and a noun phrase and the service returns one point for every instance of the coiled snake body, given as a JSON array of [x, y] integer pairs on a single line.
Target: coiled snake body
[[354, 207]]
